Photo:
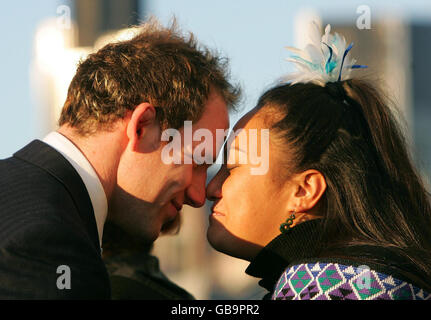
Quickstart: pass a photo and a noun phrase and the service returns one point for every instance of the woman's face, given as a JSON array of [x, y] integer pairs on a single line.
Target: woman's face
[[249, 205]]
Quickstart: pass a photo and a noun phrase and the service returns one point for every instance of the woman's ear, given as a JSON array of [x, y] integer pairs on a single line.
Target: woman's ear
[[311, 186], [143, 129]]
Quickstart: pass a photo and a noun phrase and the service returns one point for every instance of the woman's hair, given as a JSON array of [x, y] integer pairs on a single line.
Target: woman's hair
[[347, 132]]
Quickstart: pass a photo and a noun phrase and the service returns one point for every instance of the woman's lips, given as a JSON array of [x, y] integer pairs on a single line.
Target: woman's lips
[[214, 212]]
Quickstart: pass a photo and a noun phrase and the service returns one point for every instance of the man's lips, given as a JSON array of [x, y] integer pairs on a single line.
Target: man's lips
[[177, 205]]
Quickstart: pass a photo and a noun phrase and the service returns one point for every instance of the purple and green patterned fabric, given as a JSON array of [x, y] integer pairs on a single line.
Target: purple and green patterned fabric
[[333, 281]]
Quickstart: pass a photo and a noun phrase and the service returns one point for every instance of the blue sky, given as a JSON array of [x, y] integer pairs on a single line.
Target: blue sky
[[17, 24], [251, 33]]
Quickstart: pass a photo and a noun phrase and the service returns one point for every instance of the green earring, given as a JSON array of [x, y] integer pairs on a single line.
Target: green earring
[[285, 226]]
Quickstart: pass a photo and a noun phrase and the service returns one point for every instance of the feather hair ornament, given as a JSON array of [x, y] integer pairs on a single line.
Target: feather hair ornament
[[323, 60]]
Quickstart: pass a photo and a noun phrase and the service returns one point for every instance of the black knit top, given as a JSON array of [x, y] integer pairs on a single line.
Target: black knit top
[[302, 245]]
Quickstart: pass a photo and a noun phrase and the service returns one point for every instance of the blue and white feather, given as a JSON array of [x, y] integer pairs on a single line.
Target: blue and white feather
[[325, 59]]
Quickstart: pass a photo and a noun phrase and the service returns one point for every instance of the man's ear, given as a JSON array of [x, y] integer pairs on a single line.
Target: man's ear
[[143, 129], [311, 185]]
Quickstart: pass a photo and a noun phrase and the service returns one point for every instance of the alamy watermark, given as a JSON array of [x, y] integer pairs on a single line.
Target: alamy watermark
[[364, 19], [65, 278], [64, 17], [242, 146], [364, 279]]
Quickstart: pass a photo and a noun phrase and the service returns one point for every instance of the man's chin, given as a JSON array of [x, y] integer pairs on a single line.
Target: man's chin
[[141, 231], [173, 226]]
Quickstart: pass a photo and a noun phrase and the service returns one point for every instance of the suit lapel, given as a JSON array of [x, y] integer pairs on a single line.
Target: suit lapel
[[48, 159]]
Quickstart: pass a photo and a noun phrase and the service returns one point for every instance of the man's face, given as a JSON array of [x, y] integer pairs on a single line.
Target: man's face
[[150, 191]]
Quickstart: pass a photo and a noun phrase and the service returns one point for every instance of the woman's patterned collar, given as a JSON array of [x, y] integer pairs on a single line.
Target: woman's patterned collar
[[300, 242]]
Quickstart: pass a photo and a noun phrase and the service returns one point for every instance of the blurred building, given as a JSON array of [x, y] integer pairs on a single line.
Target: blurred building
[[420, 65]]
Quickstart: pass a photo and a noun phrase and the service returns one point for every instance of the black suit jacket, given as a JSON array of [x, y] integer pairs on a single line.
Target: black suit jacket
[[47, 221]]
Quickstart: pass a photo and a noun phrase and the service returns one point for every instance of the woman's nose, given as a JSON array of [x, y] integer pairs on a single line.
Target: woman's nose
[[213, 191]]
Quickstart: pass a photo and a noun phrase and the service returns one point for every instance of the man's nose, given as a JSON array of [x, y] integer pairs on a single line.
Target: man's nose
[[195, 193], [195, 196]]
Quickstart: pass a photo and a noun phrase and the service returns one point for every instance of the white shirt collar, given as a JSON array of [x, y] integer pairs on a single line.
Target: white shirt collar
[[87, 174]]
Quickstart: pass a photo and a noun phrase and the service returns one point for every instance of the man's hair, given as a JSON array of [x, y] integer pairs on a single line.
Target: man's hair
[[159, 66]]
